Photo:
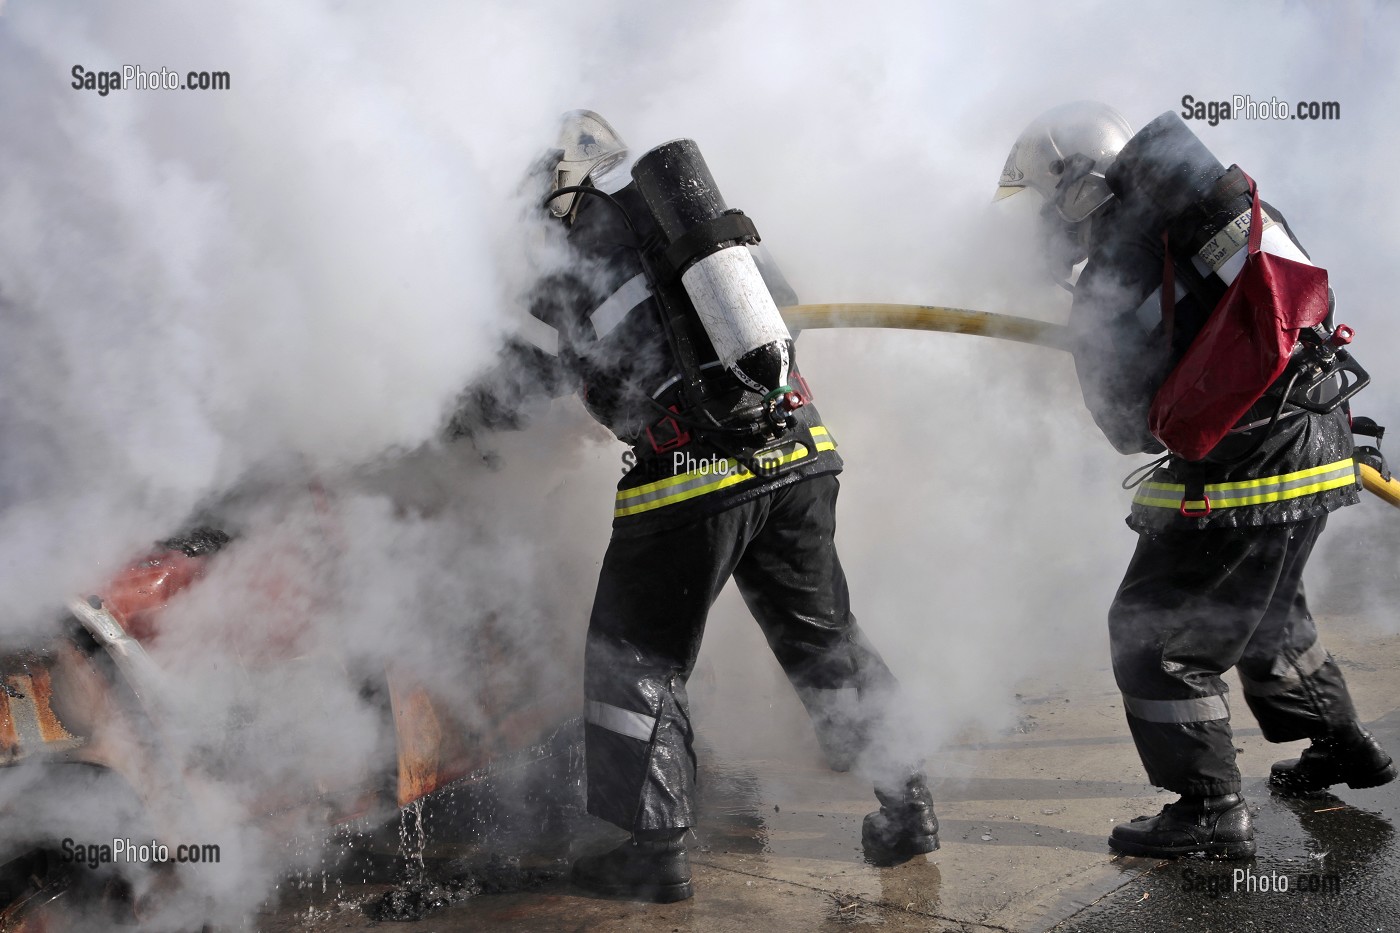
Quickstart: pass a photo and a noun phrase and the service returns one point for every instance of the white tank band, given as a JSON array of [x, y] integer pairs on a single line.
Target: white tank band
[[734, 304], [1232, 238], [1225, 254]]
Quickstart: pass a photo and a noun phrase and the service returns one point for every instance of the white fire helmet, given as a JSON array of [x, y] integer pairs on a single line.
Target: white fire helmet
[[588, 146], [1064, 154]]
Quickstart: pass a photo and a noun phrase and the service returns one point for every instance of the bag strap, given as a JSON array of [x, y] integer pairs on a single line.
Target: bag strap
[[1256, 233], [1168, 288], [1256, 229]]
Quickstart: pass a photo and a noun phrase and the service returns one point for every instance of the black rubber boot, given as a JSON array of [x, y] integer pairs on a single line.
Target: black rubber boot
[[648, 867], [1351, 756], [1217, 827], [904, 826]]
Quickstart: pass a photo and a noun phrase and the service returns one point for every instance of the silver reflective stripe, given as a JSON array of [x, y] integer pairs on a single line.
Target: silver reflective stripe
[[677, 378], [1287, 675], [620, 303], [717, 472], [1309, 661], [1200, 709], [1149, 313], [622, 721], [539, 334], [1346, 470], [1253, 492]]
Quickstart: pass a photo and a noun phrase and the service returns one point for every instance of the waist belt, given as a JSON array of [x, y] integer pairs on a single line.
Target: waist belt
[[713, 474], [1259, 491]]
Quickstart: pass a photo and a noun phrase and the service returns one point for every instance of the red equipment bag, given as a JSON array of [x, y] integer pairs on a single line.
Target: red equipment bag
[[1242, 349]]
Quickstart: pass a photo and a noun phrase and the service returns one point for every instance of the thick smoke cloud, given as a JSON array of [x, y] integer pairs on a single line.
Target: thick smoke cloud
[[212, 291]]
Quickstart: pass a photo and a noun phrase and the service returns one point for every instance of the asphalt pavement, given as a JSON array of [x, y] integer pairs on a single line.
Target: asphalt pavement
[[1025, 816]]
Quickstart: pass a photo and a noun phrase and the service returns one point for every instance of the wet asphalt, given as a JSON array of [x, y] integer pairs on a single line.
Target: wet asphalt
[[1025, 816], [1325, 863]]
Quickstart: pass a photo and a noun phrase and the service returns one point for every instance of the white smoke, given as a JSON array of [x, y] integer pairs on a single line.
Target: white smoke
[[294, 277]]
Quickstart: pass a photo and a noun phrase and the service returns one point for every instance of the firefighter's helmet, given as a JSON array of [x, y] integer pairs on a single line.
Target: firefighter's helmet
[[588, 146], [1063, 155]]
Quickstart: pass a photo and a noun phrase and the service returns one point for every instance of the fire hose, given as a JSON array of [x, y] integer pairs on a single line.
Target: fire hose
[[986, 324]]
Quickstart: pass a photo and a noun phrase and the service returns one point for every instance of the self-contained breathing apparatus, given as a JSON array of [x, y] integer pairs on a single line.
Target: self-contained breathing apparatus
[[709, 291], [1269, 337]]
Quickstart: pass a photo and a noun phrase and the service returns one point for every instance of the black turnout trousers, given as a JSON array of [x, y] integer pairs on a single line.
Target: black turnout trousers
[[654, 594], [1195, 603]]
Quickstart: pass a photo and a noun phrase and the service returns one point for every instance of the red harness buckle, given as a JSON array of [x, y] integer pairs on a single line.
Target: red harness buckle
[[1189, 514], [678, 438]]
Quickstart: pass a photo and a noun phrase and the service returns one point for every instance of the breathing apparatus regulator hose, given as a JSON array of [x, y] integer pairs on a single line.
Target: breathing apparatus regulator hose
[[985, 324]]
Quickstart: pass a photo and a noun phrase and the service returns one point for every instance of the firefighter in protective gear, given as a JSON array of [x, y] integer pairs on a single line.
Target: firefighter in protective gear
[[730, 486], [1216, 580]]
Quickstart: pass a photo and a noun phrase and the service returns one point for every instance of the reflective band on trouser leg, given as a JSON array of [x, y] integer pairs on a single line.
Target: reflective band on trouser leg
[[1288, 675], [637, 726], [1299, 699], [1252, 491], [1185, 745], [1198, 709], [621, 748]]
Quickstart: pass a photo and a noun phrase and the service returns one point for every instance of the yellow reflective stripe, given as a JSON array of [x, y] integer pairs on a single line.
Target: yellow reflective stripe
[[716, 466], [823, 438], [730, 473], [1294, 493], [1245, 484], [1252, 491], [678, 479], [719, 474]]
